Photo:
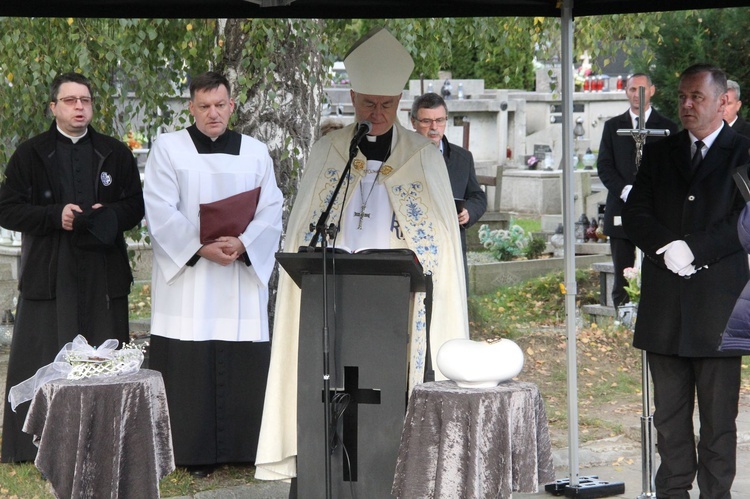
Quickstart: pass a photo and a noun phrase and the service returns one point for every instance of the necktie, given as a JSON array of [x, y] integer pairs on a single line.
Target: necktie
[[636, 122], [697, 157]]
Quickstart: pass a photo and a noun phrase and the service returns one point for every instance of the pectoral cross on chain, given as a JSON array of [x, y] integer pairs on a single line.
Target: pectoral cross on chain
[[362, 215], [639, 134]]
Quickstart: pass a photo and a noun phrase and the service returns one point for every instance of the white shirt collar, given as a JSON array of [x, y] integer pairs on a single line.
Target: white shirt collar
[[708, 140], [646, 116]]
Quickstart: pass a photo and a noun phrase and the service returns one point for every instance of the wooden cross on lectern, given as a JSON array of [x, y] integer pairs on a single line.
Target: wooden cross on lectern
[[641, 133]]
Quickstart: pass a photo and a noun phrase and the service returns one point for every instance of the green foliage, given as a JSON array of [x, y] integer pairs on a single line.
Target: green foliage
[[535, 247], [149, 59], [501, 50], [510, 310], [22, 480], [528, 224], [717, 36]]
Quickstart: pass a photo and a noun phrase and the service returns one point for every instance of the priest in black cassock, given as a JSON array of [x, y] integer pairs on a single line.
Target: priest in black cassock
[[71, 192], [209, 323]]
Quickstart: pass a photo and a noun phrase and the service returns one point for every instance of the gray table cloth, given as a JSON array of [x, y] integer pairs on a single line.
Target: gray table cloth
[[473, 443], [103, 436]]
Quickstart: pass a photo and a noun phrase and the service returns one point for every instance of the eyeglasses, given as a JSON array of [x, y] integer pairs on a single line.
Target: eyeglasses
[[71, 101], [429, 122]]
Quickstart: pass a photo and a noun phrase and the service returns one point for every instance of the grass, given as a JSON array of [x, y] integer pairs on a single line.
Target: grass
[[139, 301], [529, 225], [23, 481], [510, 311]]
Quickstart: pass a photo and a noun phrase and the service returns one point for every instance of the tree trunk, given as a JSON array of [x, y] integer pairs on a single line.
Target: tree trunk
[[277, 71]]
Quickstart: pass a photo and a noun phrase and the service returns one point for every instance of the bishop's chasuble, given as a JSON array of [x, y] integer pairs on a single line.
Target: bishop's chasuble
[[425, 221]]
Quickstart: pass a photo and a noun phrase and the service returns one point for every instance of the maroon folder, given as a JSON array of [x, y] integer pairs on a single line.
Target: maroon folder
[[229, 216]]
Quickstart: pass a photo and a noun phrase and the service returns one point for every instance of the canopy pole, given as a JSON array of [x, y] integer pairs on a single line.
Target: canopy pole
[[571, 287], [575, 486]]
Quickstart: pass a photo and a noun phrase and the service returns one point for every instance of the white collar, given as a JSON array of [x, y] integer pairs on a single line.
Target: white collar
[[72, 138], [646, 116], [708, 140]]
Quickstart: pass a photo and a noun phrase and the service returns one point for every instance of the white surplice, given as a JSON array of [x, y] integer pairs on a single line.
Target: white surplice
[[208, 301]]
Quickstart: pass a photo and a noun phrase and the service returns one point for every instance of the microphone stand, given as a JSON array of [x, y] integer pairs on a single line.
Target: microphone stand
[[323, 233]]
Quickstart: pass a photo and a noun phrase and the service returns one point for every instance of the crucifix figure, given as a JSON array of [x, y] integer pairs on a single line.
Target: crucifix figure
[[641, 133], [647, 442]]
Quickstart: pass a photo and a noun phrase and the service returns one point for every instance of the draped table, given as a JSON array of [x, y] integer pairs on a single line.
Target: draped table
[[103, 436], [473, 442]]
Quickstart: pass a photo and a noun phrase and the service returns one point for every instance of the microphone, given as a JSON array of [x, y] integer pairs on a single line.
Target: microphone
[[363, 128]]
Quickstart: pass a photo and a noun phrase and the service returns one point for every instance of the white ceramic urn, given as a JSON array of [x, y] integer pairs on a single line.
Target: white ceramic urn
[[478, 364]]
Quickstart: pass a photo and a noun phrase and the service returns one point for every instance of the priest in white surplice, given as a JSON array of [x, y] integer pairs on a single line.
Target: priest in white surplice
[[209, 323], [399, 197]]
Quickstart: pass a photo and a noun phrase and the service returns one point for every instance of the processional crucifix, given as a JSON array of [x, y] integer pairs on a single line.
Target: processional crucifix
[[640, 135]]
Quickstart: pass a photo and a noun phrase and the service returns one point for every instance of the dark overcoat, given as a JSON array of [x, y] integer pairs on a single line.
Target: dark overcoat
[[31, 203], [616, 163], [678, 315], [464, 185], [741, 126]]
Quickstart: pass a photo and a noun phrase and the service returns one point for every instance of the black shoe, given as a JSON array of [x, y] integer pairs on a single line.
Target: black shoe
[[202, 471]]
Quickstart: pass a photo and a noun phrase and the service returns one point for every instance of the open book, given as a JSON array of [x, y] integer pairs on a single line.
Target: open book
[[344, 250]]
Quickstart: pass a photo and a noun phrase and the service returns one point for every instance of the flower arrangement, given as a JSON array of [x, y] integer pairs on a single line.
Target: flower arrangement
[[134, 140], [504, 244], [103, 361], [633, 289], [532, 162]]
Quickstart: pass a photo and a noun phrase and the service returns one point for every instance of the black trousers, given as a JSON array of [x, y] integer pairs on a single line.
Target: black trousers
[[623, 256], [716, 381]]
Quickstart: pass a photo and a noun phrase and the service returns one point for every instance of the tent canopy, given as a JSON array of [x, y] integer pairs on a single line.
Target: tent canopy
[[340, 9]]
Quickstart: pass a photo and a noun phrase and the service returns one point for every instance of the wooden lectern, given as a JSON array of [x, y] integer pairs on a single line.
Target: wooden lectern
[[369, 302]]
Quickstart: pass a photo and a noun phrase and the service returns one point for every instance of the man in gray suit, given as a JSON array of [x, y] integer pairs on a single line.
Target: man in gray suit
[[616, 165]]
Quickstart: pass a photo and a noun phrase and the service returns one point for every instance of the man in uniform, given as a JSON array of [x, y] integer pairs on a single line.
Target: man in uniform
[[209, 325], [400, 198], [72, 192]]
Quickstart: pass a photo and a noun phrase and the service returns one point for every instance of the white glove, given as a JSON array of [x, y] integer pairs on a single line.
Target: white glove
[[687, 271], [625, 192], [677, 256]]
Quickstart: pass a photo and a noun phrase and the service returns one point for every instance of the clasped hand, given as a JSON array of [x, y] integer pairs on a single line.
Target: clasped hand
[[223, 251], [69, 213], [678, 258]]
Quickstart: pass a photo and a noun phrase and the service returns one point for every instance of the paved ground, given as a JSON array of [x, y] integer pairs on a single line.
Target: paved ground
[[616, 460]]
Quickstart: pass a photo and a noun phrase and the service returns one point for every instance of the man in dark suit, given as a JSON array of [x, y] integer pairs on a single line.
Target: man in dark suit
[[731, 112], [682, 212], [616, 165], [429, 116]]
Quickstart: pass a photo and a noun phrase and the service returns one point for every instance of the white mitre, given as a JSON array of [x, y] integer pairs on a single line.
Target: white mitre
[[377, 64]]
